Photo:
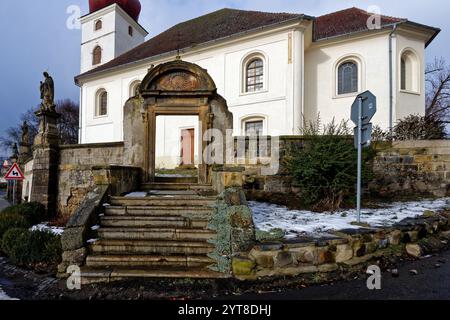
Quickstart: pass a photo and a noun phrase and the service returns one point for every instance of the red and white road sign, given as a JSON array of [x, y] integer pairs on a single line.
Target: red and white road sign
[[14, 173]]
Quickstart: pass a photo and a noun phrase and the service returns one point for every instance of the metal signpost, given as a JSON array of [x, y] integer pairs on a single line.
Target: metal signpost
[[14, 174], [363, 110]]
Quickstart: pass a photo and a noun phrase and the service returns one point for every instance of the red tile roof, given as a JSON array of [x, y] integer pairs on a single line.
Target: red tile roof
[[228, 22], [347, 21], [213, 26]]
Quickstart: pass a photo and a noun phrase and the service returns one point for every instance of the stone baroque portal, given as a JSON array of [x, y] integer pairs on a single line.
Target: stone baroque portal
[[176, 88]]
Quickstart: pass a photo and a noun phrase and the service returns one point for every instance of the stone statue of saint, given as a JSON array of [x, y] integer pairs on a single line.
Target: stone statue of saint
[[48, 93], [25, 134]]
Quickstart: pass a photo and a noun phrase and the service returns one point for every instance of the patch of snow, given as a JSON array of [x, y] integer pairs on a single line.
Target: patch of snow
[[301, 222], [106, 205], [45, 227], [91, 241], [95, 228], [4, 296], [137, 195]]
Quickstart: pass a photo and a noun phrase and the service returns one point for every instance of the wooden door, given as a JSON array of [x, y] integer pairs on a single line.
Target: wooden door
[[187, 147]]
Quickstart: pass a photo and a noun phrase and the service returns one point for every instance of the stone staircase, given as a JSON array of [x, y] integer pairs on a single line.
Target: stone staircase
[[162, 235]]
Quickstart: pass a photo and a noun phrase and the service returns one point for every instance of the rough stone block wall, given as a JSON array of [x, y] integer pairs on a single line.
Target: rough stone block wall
[[413, 168], [82, 167], [92, 154], [401, 169]]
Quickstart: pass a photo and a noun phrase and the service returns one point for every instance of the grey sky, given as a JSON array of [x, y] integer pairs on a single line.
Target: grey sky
[[34, 37]]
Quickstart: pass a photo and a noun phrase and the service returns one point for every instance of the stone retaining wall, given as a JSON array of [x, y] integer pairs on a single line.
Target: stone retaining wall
[[345, 249], [82, 167], [412, 168], [401, 169]]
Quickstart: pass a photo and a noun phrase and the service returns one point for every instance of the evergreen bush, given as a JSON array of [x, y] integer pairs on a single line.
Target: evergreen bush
[[33, 212]]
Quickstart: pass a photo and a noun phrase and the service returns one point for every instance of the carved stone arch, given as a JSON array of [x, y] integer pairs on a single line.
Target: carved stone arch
[[178, 77], [175, 88]]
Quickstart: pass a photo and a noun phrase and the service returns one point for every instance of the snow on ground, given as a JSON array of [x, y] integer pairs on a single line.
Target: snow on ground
[[4, 296], [306, 223], [137, 195], [46, 227]]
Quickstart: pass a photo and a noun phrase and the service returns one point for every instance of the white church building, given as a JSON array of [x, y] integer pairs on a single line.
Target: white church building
[[276, 70]]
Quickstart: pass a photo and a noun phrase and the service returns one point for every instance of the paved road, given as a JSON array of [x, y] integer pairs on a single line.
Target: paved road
[[432, 282], [3, 202]]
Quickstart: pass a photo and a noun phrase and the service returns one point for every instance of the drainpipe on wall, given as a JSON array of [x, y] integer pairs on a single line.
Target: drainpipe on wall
[[391, 82], [80, 120]]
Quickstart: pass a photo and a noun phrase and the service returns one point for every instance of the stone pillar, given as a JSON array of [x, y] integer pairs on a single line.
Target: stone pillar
[[46, 159]]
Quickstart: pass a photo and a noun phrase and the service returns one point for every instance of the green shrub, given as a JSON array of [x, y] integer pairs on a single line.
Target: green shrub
[[413, 127], [325, 169], [15, 244], [45, 247], [416, 127], [26, 248], [33, 212], [12, 220]]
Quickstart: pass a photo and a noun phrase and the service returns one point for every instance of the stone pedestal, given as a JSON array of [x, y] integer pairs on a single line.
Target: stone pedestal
[[46, 159]]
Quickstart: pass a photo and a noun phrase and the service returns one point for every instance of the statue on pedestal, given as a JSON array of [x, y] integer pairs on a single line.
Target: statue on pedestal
[[48, 94], [48, 117]]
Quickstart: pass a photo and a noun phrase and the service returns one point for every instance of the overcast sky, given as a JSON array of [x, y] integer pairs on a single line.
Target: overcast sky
[[34, 37]]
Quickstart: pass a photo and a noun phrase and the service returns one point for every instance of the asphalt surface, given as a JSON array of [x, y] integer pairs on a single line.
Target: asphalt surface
[[432, 282], [3, 202]]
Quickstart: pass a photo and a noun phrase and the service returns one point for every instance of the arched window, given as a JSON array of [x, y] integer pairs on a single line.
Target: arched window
[[134, 88], [409, 72], [347, 77], [98, 25], [101, 108], [254, 75], [97, 55]]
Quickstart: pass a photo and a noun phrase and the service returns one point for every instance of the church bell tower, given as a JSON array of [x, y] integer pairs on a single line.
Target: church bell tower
[[110, 29]]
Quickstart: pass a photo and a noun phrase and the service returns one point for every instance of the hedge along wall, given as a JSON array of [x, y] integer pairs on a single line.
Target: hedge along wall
[[84, 166], [401, 169]]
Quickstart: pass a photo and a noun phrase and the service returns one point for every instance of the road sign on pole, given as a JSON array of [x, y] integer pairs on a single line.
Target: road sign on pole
[[14, 173], [363, 110], [366, 138], [369, 108]]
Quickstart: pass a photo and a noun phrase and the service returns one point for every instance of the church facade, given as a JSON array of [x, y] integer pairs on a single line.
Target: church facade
[[276, 71]]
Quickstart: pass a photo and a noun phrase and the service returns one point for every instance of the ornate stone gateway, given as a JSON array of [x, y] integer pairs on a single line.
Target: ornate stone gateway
[[176, 88]]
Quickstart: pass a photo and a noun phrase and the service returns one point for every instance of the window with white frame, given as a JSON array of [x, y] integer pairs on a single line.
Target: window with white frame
[[347, 77], [409, 72], [97, 55], [98, 25], [254, 75], [253, 126], [101, 108]]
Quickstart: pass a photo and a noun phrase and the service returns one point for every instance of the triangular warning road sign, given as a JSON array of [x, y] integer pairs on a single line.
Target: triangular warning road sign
[[14, 173]]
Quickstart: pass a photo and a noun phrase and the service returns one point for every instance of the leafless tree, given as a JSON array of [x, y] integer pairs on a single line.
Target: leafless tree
[[67, 125], [438, 90]]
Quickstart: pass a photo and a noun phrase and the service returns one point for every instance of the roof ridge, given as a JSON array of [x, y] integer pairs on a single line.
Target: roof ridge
[[362, 11]]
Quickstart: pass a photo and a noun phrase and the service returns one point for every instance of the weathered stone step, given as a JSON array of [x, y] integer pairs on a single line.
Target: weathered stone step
[[158, 211], [148, 261], [175, 186], [156, 234], [141, 247], [154, 222], [101, 275], [177, 201]]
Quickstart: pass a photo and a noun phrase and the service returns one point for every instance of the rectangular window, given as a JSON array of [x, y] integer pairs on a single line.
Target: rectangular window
[[254, 128]]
